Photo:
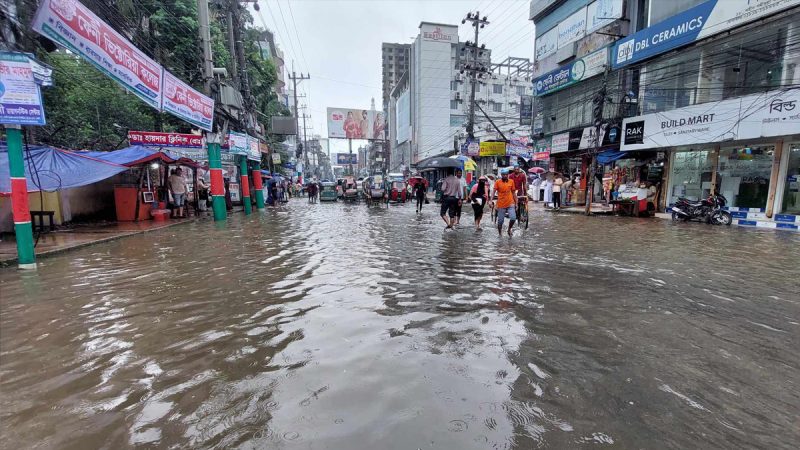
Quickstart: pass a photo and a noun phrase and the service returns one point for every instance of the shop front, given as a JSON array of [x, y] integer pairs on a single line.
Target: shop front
[[746, 149]]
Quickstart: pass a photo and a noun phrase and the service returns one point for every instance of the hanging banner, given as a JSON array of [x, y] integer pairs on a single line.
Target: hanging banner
[[182, 101], [165, 139], [541, 149], [73, 25], [20, 97], [518, 146], [490, 148], [581, 69], [525, 109], [702, 21], [253, 150], [238, 143], [769, 114]]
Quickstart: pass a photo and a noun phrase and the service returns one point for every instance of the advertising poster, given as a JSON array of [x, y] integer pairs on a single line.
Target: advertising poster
[[355, 123], [518, 146], [71, 24], [343, 159], [253, 149], [581, 69], [156, 139], [525, 109], [238, 143], [182, 101], [702, 21], [276, 158], [560, 143], [20, 98], [541, 149], [492, 149]]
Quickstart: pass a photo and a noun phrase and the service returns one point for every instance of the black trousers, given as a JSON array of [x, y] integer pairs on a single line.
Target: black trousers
[[556, 199], [420, 202]]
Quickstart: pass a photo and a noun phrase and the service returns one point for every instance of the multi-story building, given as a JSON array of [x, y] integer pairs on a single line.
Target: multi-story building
[[694, 96], [429, 106], [396, 58], [271, 52]]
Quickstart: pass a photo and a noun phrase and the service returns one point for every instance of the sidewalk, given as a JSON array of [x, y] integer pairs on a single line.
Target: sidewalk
[[596, 209], [83, 235]]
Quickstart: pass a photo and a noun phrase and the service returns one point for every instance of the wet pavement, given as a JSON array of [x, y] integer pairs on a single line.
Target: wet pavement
[[336, 326]]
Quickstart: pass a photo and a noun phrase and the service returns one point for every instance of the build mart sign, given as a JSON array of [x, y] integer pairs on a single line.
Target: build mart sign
[[694, 24], [774, 113]]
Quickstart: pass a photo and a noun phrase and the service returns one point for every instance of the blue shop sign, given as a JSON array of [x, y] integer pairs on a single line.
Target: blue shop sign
[[581, 69]]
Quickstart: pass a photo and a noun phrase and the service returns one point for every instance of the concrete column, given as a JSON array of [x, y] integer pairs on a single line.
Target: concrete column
[[248, 207], [19, 199], [259, 188], [217, 181]]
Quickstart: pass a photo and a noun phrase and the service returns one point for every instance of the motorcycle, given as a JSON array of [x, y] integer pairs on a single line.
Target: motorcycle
[[708, 210]]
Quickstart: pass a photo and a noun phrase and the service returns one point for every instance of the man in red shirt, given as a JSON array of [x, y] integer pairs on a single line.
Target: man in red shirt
[[520, 180]]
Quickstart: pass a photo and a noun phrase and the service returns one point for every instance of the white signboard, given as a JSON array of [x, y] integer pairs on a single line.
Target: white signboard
[[572, 28], [438, 33], [560, 143], [774, 113], [546, 44], [601, 13]]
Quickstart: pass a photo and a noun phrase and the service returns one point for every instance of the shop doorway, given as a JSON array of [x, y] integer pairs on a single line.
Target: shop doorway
[[743, 175], [791, 189]]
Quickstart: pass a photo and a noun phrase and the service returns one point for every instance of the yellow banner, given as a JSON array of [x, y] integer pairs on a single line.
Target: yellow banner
[[493, 149]]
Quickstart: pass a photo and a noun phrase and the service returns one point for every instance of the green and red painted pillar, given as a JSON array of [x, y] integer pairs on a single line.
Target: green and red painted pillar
[[259, 188], [248, 207], [26, 258], [217, 181]]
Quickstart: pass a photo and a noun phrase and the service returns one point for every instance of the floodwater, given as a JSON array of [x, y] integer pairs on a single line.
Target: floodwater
[[336, 326]]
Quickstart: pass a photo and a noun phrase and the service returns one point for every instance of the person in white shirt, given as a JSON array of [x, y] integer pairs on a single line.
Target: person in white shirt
[[557, 183], [462, 194], [178, 187]]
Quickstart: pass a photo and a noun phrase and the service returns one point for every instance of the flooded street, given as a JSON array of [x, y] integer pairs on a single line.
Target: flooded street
[[336, 326]]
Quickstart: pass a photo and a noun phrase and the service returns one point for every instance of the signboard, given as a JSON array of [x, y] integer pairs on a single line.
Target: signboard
[[546, 44], [601, 13], [20, 97], [572, 28], [276, 158], [238, 143], [470, 148], [525, 109], [559, 143], [518, 146], [355, 123], [774, 113], [182, 101], [582, 68], [253, 149], [343, 159], [541, 149], [437, 33], [155, 139], [702, 21], [403, 117], [283, 125], [488, 148], [71, 24]]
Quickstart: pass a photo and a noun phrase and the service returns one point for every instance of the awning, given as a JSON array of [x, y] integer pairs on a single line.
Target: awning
[[51, 169], [609, 156], [133, 156]]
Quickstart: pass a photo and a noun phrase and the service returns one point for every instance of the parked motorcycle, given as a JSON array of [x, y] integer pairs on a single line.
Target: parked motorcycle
[[708, 210]]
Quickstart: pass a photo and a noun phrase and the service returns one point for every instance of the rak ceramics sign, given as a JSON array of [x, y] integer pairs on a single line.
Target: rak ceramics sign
[[581, 69], [769, 114], [704, 20]]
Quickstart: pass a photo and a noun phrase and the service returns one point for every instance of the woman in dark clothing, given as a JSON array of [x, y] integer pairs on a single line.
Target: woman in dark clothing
[[419, 193], [479, 197]]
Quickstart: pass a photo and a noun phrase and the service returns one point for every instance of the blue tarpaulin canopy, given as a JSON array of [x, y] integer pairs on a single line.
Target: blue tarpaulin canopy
[[56, 169], [610, 156]]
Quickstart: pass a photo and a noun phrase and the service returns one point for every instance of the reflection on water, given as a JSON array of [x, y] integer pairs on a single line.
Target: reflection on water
[[337, 326]]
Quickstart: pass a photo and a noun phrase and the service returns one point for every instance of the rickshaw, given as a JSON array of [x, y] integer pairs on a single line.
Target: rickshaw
[[373, 189], [398, 192], [327, 192], [349, 189]]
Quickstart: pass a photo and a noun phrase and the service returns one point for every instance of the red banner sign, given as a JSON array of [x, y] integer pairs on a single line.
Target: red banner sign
[[74, 26], [541, 156], [186, 103], [165, 139]]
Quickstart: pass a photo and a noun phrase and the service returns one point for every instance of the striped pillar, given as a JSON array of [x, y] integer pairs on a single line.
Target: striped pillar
[[248, 207], [19, 200], [259, 187], [217, 182]]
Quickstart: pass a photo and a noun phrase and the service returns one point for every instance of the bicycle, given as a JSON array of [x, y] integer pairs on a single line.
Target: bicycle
[[522, 210]]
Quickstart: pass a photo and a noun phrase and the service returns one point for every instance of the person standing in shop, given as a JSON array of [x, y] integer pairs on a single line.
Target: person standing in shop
[[557, 183]]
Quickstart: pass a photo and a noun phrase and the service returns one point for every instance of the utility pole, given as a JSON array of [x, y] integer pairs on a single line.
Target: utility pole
[[473, 67], [598, 104], [295, 79], [217, 187]]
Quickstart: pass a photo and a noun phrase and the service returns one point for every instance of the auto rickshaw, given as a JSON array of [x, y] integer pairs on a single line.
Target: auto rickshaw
[[349, 189], [327, 192], [398, 192], [373, 189]]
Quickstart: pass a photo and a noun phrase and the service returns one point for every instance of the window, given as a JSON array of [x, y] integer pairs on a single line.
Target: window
[[454, 85], [497, 88], [521, 90], [478, 87], [453, 104], [497, 107]]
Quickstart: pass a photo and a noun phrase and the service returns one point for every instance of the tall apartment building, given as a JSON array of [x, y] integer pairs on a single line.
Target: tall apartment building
[[395, 58], [697, 96]]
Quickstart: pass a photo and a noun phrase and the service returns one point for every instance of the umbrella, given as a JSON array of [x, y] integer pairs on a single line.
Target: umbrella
[[439, 162], [535, 170], [467, 162]]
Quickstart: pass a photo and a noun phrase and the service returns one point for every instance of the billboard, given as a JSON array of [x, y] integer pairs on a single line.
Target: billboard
[[283, 125], [702, 21], [74, 26], [20, 98], [403, 117], [578, 70], [155, 139], [238, 143], [182, 101], [491, 148], [355, 123], [343, 159]]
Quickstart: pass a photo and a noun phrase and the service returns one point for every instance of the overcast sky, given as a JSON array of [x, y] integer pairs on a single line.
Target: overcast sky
[[339, 42]]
